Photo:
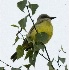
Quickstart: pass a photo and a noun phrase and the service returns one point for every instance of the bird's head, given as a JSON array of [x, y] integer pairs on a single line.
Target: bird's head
[[45, 16]]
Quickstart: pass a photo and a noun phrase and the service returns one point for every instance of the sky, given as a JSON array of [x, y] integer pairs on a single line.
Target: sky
[[10, 14]]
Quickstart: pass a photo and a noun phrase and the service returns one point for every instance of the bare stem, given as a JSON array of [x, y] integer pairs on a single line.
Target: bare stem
[[6, 63], [19, 31], [47, 54], [31, 19], [48, 57], [43, 56]]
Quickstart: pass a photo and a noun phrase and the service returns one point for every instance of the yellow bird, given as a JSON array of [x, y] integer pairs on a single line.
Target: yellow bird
[[43, 24]]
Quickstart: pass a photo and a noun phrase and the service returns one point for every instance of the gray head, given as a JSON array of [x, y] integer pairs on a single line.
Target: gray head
[[45, 16]]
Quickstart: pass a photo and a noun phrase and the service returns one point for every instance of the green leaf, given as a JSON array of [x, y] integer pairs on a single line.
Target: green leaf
[[66, 67], [51, 68], [29, 53], [15, 69], [41, 37], [36, 47], [22, 22], [61, 59], [21, 5], [2, 68], [27, 66], [32, 60], [17, 38], [15, 26], [50, 65], [33, 7], [35, 54], [39, 46], [20, 51]]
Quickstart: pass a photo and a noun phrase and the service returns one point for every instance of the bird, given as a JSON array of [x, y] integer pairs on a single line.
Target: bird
[[43, 25]]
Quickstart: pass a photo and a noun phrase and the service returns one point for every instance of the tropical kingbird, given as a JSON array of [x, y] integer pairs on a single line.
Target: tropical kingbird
[[43, 24]]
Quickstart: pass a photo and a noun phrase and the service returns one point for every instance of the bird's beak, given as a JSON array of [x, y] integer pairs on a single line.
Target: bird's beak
[[52, 18]]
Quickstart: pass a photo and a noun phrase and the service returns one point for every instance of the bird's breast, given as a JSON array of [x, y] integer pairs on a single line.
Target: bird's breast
[[44, 26]]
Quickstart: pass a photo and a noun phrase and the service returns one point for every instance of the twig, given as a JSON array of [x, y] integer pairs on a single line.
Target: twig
[[31, 19], [58, 63], [20, 67], [52, 67], [6, 64], [48, 57], [47, 54], [43, 56], [19, 31]]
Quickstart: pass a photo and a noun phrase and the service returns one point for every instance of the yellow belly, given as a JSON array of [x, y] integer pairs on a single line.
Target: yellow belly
[[44, 26]]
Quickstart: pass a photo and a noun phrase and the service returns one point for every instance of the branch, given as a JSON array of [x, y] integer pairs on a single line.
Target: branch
[[31, 19], [47, 53], [52, 67], [19, 31], [48, 57], [58, 63], [6, 64], [43, 56]]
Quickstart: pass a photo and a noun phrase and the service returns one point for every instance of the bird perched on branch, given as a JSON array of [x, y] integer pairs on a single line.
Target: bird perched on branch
[[43, 24]]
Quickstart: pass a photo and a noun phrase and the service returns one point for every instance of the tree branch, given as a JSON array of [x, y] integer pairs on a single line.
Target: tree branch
[[19, 31], [48, 57], [47, 53], [6, 63], [31, 19], [43, 56]]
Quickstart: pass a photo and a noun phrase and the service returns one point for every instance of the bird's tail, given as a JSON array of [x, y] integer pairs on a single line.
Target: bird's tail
[[26, 46]]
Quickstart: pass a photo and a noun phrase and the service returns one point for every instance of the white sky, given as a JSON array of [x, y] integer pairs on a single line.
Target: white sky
[[10, 14]]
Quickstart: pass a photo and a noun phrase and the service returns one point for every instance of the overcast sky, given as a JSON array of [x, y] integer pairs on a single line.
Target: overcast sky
[[10, 14]]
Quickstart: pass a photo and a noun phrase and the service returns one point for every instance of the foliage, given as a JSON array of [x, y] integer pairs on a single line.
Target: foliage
[[22, 22], [41, 37], [31, 53], [20, 51], [33, 7], [1, 68]]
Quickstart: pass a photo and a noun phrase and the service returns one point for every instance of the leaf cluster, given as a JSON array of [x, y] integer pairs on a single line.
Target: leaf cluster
[[32, 52]]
